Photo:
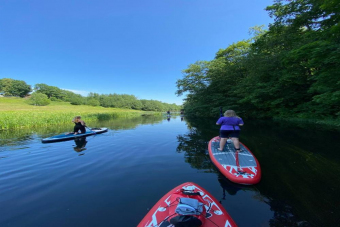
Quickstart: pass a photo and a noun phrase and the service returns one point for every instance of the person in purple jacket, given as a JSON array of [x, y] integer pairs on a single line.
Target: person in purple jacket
[[230, 128]]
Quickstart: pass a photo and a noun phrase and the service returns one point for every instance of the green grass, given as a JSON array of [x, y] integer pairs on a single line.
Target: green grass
[[16, 113]]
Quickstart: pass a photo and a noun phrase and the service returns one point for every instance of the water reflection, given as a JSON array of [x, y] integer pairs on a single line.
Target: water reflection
[[80, 144], [295, 171], [26, 135], [195, 149], [230, 187], [299, 184], [128, 123]]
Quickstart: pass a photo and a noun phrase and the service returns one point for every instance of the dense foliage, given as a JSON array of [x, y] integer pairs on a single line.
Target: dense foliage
[[55, 93], [10, 87], [128, 102], [291, 70]]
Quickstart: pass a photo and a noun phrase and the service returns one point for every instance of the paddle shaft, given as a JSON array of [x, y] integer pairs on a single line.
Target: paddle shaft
[[90, 129]]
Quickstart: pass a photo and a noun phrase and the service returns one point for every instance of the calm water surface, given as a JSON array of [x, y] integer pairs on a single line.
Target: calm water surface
[[113, 179]]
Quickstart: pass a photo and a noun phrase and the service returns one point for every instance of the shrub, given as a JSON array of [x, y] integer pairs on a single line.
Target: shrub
[[76, 101], [39, 99], [93, 102]]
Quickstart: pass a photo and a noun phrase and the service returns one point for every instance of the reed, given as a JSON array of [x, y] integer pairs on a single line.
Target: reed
[[15, 113]]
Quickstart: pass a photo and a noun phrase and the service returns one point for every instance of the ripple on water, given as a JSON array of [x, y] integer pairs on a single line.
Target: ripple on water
[[133, 165]]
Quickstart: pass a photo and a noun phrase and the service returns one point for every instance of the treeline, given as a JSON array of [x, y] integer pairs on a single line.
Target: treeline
[[129, 102], [290, 70], [43, 94]]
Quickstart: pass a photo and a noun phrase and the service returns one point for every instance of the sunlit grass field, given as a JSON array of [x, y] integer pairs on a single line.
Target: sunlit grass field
[[16, 113]]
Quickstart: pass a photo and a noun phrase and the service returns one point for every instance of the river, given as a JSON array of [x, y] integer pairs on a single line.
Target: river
[[114, 178]]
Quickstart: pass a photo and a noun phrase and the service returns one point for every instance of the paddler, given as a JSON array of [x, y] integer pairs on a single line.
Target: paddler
[[230, 128], [79, 125]]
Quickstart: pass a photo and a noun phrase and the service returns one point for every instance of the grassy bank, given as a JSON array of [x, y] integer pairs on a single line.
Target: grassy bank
[[16, 113]]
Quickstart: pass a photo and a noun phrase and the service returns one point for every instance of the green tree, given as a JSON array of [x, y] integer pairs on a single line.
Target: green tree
[[39, 99], [105, 101], [77, 100], [50, 91], [290, 70], [12, 87], [213, 84], [151, 105], [314, 52], [93, 102], [195, 78], [92, 95]]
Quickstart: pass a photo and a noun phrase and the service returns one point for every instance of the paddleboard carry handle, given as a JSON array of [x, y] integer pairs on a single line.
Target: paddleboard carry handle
[[186, 192]]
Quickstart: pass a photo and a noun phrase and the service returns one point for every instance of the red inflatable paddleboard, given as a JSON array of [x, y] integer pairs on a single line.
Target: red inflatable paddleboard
[[190, 205], [239, 167]]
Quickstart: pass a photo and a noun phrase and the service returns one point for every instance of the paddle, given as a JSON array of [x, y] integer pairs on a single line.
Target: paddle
[[90, 129]]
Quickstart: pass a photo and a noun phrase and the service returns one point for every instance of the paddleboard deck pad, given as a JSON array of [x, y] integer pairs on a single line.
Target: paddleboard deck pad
[[70, 136], [239, 167], [187, 205]]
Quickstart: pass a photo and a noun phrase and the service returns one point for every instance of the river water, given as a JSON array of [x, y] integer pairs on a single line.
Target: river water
[[114, 178]]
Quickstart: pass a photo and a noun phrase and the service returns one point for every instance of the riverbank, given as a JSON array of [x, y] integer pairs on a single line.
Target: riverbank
[[16, 113]]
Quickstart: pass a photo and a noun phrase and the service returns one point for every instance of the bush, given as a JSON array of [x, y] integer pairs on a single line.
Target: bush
[[93, 102], [76, 101], [39, 99]]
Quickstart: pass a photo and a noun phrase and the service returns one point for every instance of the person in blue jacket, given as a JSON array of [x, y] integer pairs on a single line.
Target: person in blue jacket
[[230, 128]]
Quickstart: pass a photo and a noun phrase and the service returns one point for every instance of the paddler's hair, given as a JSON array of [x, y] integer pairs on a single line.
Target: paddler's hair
[[76, 118], [230, 113]]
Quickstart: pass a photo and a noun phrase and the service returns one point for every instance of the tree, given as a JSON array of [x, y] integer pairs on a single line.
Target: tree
[[77, 100], [195, 78], [50, 91], [39, 99], [12, 87], [213, 84], [290, 70], [314, 31], [93, 102]]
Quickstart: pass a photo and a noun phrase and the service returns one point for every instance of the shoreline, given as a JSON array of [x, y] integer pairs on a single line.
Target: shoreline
[[15, 113]]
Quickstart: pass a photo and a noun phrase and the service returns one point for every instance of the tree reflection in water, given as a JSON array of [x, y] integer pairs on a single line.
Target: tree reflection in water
[[195, 148], [195, 144]]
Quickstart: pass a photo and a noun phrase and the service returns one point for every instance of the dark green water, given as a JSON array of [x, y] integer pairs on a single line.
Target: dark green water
[[113, 179]]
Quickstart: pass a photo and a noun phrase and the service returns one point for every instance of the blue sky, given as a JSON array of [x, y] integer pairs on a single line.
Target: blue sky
[[136, 47]]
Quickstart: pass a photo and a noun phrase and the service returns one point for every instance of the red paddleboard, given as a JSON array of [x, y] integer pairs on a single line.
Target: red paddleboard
[[188, 197], [239, 167]]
